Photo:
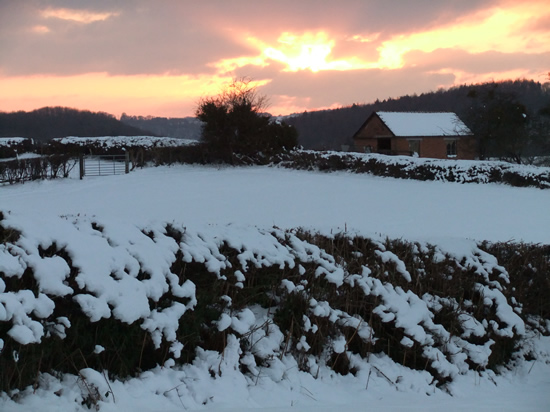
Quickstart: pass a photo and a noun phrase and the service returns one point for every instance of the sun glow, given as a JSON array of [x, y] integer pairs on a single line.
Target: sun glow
[[306, 52], [309, 51]]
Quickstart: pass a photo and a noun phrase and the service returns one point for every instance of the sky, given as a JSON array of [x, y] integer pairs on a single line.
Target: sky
[[160, 58]]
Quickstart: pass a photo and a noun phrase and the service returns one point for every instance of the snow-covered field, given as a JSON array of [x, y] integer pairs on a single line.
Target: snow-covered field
[[227, 201], [265, 197]]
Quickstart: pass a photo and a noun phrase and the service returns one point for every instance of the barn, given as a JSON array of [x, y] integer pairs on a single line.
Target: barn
[[440, 135]]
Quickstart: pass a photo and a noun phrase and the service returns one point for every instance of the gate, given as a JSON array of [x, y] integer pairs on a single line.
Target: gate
[[104, 165]]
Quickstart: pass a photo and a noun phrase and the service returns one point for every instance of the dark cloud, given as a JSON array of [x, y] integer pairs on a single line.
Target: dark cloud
[[323, 89], [141, 40], [184, 36]]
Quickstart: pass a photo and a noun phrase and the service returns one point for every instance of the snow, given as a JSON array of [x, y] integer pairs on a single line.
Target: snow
[[444, 170], [265, 197], [125, 141], [10, 141], [411, 124], [100, 222]]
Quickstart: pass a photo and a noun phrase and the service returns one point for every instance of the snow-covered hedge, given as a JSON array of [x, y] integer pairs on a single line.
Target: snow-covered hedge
[[142, 149], [120, 142], [405, 167], [11, 146], [78, 293], [12, 141]]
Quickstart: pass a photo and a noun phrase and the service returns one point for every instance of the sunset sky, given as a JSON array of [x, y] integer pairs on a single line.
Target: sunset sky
[[159, 57]]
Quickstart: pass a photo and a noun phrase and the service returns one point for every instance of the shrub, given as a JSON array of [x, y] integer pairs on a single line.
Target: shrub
[[328, 297]]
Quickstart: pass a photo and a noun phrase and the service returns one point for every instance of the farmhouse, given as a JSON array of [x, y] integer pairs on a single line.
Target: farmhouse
[[438, 135]]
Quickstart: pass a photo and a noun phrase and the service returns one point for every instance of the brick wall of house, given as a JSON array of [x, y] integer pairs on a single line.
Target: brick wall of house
[[367, 135], [362, 144], [436, 147], [374, 128]]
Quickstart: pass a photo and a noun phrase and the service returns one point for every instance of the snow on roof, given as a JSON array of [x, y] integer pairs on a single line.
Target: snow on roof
[[424, 124]]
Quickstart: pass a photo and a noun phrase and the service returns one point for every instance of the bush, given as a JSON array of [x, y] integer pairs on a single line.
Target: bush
[[328, 297], [234, 124]]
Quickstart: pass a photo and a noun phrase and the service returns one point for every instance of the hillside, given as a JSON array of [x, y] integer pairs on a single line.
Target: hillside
[[47, 123], [329, 129], [326, 129], [181, 128]]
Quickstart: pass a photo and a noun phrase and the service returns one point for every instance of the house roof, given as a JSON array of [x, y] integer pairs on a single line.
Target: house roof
[[408, 124]]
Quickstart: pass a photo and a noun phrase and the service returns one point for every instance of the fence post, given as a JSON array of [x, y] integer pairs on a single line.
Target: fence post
[[127, 163], [81, 164]]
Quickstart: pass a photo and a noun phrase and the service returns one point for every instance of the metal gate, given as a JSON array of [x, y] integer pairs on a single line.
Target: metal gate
[[104, 165]]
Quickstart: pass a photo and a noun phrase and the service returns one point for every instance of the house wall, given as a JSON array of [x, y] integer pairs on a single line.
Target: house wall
[[434, 147], [374, 128], [366, 137], [362, 144], [400, 145]]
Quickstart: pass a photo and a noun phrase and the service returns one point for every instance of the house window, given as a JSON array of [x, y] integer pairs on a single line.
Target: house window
[[414, 147], [451, 148]]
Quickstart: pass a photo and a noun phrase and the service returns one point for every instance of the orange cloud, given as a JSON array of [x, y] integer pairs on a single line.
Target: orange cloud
[[80, 16], [504, 29], [361, 38], [228, 65], [284, 104], [463, 77], [40, 29], [138, 94]]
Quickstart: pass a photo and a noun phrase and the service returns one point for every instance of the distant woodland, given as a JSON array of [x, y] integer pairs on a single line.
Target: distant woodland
[[525, 102], [333, 128], [51, 122], [183, 128]]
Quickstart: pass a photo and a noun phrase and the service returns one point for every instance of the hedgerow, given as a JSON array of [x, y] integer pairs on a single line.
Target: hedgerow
[[59, 157], [418, 169], [165, 292]]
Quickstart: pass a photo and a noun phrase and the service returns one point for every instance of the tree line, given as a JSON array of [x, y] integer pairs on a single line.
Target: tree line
[[511, 118], [47, 123], [178, 127]]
